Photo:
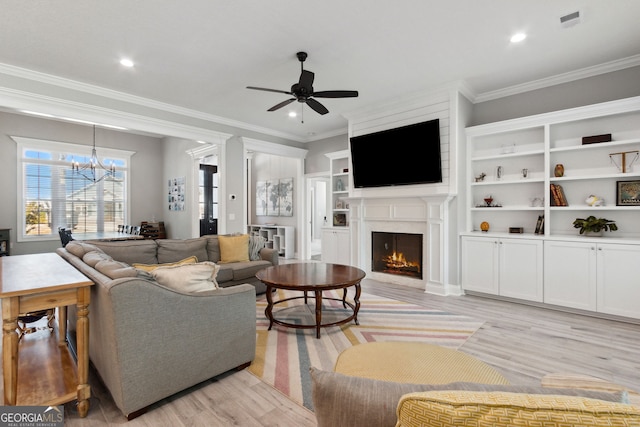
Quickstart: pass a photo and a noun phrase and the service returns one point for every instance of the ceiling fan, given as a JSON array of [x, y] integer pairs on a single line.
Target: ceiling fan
[[303, 91]]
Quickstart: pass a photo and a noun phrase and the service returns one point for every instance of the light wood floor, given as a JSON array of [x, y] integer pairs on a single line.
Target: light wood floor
[[524, 343]]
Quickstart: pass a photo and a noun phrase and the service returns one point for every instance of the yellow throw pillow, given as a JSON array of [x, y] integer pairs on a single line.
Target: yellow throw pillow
[[503, 409], [234, 248], [151, 267]]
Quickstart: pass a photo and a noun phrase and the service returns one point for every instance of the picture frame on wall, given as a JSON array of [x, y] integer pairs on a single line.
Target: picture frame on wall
[[628, 193]]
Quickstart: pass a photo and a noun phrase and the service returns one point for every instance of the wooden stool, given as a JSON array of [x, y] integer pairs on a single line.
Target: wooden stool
[[415, 363]]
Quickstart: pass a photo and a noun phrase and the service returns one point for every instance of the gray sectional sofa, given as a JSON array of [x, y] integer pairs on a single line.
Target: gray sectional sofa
[[149, 341]]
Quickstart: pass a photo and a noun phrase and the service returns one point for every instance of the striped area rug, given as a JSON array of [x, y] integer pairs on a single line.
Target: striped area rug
[[284, 355]]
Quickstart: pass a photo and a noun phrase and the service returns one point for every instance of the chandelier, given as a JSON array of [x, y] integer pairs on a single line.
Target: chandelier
[[92, 168]]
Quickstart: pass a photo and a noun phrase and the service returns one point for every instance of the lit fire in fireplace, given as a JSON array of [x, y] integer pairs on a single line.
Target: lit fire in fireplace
[[397, 262]]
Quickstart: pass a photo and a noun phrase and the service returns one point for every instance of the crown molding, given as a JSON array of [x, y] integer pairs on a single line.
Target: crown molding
[[608, 67], [69, 84]]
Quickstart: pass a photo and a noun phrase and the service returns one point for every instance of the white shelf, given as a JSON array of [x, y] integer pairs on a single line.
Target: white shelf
[[278, 237]]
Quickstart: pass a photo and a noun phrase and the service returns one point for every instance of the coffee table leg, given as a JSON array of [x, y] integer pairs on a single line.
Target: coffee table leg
[[356, 300], [269, 309], [318, 312], [344, 298]]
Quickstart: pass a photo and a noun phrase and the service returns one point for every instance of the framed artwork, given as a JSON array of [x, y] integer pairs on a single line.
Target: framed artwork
[[175, 197], [273, 197], [628, 193], [261, 198], [286, 197]]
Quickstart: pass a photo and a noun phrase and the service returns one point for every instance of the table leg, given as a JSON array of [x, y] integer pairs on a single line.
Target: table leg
[[356, 300], [318, 312], [344, 298], [268, 311], [10, 311], [62, 325], [82, 326]]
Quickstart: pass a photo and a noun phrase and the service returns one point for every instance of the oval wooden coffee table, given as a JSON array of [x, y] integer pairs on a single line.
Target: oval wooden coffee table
[[312, 277]]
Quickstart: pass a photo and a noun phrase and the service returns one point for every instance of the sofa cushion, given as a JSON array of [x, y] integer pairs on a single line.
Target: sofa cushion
[[172, 250], [188, 278], [234, 248], [79, 248], [468, 408], [148, 267], [255, 244], [115, 269], [131, 251], [94, 257], [213, 248], [225, 274], [337, 397], [247, 270]]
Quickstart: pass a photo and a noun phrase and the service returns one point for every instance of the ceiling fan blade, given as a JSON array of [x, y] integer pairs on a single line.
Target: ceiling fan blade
[[269, 90], [306, 79], [282, 104], [316, 106], [336, 94]]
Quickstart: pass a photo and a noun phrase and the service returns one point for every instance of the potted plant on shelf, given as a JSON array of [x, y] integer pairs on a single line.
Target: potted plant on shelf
[[592, 226]]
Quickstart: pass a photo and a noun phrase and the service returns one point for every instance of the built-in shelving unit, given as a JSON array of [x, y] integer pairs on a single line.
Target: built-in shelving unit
[[339, 188], [526, 151], [278, 237]]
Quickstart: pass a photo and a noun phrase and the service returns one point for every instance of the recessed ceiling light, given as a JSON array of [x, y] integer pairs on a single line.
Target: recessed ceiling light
[[518, 37], [292, 114], [126, 62]]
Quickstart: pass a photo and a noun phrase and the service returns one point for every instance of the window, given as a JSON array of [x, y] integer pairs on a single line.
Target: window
[[52, 196]]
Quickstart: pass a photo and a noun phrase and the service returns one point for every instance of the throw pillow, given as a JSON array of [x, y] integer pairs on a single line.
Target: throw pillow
[[466, 408], [234, 248], [94, 257], [188, 278], [337, 397], [150, 267], [79, 248], [115, 269], [255, 244]]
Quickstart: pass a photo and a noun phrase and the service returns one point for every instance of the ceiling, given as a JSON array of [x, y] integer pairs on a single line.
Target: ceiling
[[201, 54]]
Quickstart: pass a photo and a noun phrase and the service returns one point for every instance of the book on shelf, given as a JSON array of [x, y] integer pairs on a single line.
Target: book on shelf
[[558, 197]]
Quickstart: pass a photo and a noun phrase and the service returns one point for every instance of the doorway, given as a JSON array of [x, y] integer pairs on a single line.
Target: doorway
[[316, 214], [208, 199]]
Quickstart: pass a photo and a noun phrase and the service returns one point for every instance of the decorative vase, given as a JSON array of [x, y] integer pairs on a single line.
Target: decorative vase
[[593, 233], [339, 185], [484, 226], [558, 171]]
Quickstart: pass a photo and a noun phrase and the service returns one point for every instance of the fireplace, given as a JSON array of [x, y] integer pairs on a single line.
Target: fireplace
[[397, 253]]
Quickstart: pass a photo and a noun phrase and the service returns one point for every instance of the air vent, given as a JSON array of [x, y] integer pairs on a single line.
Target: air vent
[[570, 20]]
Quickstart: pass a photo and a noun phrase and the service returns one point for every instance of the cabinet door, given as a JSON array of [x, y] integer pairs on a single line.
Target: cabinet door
[[521, 272], [329, 246], [570, 274], [480, 265], [618, 280]]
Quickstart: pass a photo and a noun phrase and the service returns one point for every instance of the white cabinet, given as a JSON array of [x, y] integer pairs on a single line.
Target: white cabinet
[[510, 267], [336, 248], [570, 274], [512, 165], [279, 237], [601, 277], [618, 283]]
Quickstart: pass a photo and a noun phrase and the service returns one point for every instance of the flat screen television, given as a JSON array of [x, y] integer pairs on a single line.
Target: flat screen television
[[400, 156]]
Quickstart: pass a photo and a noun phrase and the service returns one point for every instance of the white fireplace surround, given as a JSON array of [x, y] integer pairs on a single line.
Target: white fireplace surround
[[420, 215]]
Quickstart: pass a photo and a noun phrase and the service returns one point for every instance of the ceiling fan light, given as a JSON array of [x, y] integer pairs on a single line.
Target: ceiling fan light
[[293, 114]]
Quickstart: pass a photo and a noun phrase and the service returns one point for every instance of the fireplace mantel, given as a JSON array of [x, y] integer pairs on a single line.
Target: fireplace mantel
[[428, 215]]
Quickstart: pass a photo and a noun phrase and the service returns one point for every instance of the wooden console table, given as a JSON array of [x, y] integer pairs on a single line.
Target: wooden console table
[[30, 283]]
